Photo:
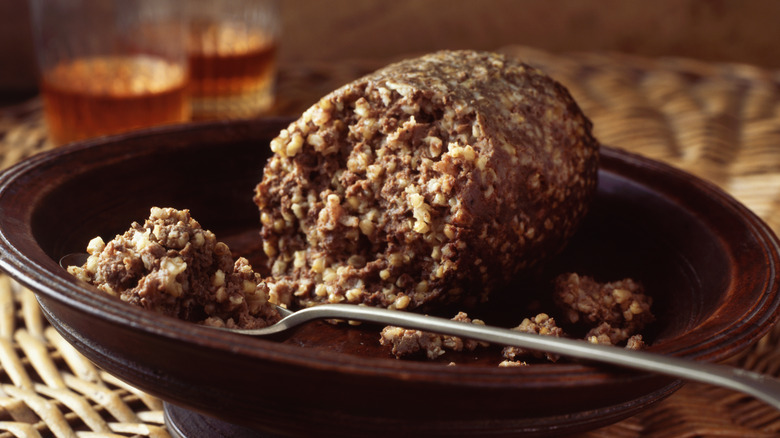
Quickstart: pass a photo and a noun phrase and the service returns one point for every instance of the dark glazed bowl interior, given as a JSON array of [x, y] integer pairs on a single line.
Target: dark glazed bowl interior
[[709, 263]]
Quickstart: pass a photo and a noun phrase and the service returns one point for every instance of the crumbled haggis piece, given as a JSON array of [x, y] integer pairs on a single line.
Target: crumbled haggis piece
[[614, 311], [541, 324], [406, 342], [433, 180], [172, 266], [635, 342], [604, 334]]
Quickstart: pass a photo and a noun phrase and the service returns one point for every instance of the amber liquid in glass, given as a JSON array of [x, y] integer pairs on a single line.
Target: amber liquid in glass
[[96, 96], [231, 71]]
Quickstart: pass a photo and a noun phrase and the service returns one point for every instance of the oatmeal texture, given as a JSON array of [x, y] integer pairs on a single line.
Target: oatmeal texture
[[406, 342], [615, 311], [433, 180], [541, 324], [636, 342], [172, 266]]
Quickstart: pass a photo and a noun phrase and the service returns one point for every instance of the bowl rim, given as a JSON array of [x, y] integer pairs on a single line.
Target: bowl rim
[[33, 268]]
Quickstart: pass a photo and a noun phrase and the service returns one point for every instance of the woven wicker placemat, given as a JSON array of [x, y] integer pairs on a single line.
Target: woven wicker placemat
[[718, 121]]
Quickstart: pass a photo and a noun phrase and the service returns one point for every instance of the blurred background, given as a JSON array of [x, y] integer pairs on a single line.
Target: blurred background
[[334, 30]]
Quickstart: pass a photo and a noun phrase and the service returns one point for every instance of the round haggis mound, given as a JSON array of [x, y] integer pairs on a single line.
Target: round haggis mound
[[433, 180]]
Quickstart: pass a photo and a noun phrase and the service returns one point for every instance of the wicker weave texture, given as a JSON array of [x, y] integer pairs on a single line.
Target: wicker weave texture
[[719, 122]]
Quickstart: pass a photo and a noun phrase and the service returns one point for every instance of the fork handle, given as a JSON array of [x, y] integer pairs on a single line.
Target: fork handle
[[761, 386]]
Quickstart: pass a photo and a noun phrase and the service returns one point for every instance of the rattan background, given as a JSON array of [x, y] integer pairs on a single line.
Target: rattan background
[[720, 122]]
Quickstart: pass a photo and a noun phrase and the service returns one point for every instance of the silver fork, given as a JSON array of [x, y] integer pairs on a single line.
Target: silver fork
[[763, 387], [760, 386]]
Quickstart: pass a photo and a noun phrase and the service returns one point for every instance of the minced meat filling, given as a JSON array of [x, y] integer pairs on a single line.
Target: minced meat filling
[[429, 181], [174, 267], [407, 342], [613, 313], [615, 310], [541, 324]]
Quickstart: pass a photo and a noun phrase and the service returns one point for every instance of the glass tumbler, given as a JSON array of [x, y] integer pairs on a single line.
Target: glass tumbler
[[232, 55], [110, 66]]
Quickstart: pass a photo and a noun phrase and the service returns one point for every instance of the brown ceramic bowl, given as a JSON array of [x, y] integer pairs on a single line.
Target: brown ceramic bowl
[[710, 264]]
